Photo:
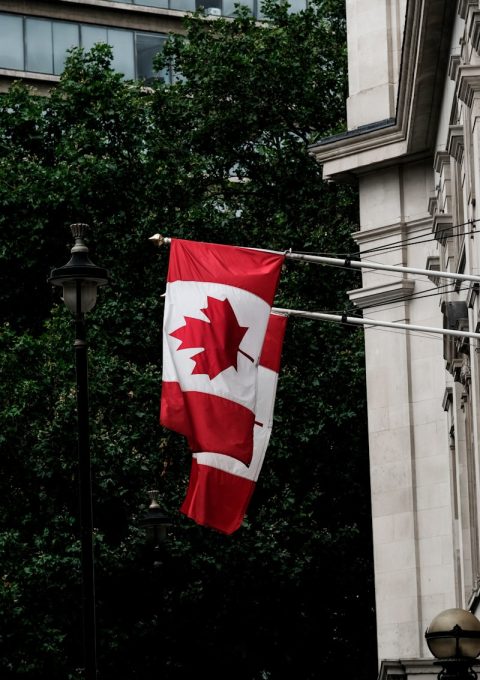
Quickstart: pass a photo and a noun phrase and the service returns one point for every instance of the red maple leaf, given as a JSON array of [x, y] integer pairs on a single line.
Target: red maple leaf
[[220, 338]]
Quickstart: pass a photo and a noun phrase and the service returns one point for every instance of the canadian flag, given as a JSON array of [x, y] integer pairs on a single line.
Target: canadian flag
[[220, 487], [217, 308]]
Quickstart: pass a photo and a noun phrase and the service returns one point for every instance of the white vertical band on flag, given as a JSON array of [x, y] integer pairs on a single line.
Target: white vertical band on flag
[[187, 299], [220, 486]]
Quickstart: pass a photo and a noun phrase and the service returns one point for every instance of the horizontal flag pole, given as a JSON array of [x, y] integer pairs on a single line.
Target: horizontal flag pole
[[367, 264], [360, 321], [354, 264]]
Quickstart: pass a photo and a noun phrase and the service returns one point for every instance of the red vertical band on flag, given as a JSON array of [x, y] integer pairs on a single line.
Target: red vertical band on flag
[[272, 345]]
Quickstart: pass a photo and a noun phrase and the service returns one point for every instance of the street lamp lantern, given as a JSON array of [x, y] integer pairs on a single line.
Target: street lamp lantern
[[453, 637], [80, 279], [156, 524]]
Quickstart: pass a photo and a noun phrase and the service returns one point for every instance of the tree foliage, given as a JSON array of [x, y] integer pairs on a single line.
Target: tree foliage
[[221, 155]]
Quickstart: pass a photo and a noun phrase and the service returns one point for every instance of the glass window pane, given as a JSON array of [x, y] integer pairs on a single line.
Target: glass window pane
[[39, 45], [91, 35], [229, 6], [123, 53], [147, 47], [152, 3], [184, 5], [11, 42], [259, 12], [296, 5], [65, 36], [216, 5]]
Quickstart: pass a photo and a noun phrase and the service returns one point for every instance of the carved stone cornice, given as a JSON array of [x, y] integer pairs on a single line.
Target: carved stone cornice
[[453, 365], [473, 27], [433, 265], [465, 371], [472, 294], [453, 66], [474, 598], [463, 347], [404, 669], [425, 55], [447, 398], [442, 227], [464, 6], [378, 295], [398, 230], [441, 159], [456, 142], [468, 83]]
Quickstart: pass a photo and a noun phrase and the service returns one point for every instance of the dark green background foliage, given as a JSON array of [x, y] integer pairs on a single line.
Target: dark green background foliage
[[290, 594]]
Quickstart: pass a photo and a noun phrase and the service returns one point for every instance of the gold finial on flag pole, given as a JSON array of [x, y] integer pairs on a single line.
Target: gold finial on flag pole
[[160, 240]]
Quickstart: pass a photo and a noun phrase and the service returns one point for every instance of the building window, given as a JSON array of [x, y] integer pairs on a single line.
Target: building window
[[122, 43], [225, 7], [146, 48], [65, 36], [182, 5], [11, 42], [40, 46]]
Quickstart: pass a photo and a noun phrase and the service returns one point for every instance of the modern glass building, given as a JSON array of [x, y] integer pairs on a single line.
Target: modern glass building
[[40, 45], [36, 34]]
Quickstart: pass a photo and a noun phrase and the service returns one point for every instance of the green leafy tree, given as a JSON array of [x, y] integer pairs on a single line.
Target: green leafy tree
[[221, 155]]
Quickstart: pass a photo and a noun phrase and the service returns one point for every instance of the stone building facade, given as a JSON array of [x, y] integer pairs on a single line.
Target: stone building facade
[[413, 147]]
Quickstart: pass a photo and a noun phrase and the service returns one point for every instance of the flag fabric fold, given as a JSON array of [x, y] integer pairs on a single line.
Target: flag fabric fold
[[220, 487], [217, 307]]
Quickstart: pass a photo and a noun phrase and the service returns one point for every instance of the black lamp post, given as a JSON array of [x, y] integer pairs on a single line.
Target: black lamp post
[[453, 637], [80, 279], [156, 524]]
